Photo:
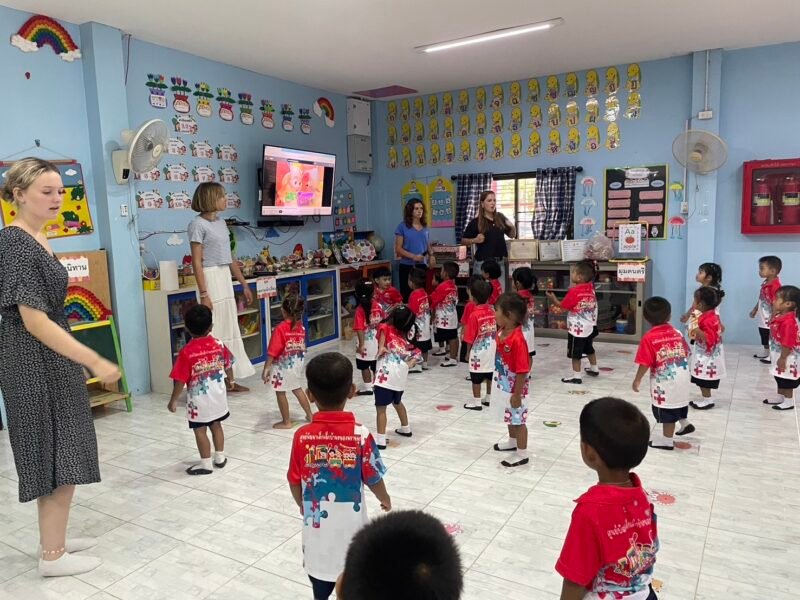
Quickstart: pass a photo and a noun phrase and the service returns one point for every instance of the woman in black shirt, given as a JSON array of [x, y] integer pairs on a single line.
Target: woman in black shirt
[[488, 232]]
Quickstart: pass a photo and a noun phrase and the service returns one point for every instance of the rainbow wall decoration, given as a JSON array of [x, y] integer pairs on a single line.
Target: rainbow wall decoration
[[82, 305], [39, 31], [324, 108]]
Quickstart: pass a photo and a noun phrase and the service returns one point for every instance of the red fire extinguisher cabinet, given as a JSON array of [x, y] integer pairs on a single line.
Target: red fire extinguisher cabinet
[[771, 196]]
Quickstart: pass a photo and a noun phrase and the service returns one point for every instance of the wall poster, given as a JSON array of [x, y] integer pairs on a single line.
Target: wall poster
[[636, 194]]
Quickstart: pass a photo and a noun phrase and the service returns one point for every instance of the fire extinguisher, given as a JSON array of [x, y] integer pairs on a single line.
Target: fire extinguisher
[[762, 203], [790, 200]]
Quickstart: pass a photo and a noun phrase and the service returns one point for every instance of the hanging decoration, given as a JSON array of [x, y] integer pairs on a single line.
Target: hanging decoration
[[534, 143], [391, 135], [433, 129], [392, 163], [573, 141], [497, 147], [419, 131], [201, 149], [180, 90], [449, 128], [225, 99], [267, 112], [184, 124], [463, 101], [466, 151], [554, 115], [634, 77], [592, 138], [391, 112], [433, 105], [571, 85], [176, 147], [516, 119], [573, 114], [419, 108], [435, 153], [305, 120], [516, 146], [449, 153], [592, 111], [480, 98], [405, 133], [324, 108], [612, 80], [179, 200], [592, 83], [464, 127], [415, 190], [286, 117], [612, 109], [634, 109], [344, 209], [158, 95], [246, 108], [202, 91], [441, 198], [480, 123], [419, 152], [40, 31], [552, 88], [404, 109], [149, 200], [497, 122], [533, 90], [406, 156], [515, 94], [554, 143], [497, 96], [447, 103], [587, 201], [613, 138], [536, 117]]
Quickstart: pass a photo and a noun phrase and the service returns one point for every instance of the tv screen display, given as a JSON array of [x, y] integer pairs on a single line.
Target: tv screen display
[[296, 182]]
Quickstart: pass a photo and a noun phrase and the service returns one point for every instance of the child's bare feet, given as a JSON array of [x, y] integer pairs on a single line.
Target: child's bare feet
[[282, 425]]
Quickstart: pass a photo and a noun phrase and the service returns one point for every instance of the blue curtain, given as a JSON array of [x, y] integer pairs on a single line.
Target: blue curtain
[[555, 203], [468, 190]]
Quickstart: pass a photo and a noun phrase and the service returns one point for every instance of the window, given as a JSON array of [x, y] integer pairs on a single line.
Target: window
[[516, 199]]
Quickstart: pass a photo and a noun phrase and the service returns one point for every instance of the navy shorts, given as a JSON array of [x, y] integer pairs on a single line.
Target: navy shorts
[[763, 332], [670, 415], [385, 397], [196, 425], [425, 346], [363, 365], [787, 384], [709, 384], [445, 335], [479, 378]]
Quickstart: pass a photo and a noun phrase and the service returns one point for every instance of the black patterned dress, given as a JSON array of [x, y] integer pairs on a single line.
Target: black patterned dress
[[49, 419]]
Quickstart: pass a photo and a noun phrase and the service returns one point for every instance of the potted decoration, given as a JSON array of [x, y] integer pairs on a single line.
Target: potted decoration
[[267, 112], [246, 108], [225, 99], [286, 115], [203, 93], [156, 85], [181, 90], [305, 120]]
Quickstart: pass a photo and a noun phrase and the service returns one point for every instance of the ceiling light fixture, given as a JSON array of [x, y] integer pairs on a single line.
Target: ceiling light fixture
[[490, 36]]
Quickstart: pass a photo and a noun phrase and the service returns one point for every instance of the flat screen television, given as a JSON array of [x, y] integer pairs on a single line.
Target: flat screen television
[[296, 183]]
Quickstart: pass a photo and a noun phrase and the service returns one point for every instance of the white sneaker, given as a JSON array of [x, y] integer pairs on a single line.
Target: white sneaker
[[425, 366], [416, 369], [68, 564], [449, 362]]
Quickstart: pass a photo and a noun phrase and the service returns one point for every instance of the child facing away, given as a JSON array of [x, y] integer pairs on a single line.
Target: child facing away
[[708, 275], [385, 293], [444, 300], [784, 346], [612, 541], [463, 350], [511, 381], [202, 366], [396, 355], [369, 315], [285, 358], [420, 305], [332, 459], [769, 267], [492, 272], [480, 330], [403, 555], [664, 352], [525, 285], [707, 363], [581, 302]]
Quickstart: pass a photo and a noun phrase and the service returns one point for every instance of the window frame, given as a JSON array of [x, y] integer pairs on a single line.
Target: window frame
[[516, 177]]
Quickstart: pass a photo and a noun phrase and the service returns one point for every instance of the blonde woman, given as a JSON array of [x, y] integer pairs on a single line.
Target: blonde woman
[[41, 370], [213, 266], [488, 233]]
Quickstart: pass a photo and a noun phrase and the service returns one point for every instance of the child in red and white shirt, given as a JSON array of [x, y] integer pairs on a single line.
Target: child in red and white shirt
[[581, 302], [285, 358], [492, 272], [480, 330], [707, 363], [664, 352], [396, 355], [769, 267], [463, 350], [525, 286], [444, 300], [202, 366], [386, 294], [369, 315], [784, 346], [420, 305], [612, 541], [512, 366]]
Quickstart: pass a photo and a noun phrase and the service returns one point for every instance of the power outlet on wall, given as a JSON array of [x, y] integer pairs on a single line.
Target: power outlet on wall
[[123, 210]]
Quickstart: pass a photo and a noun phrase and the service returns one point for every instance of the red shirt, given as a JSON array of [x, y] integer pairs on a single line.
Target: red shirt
[[612, 541], [442, 291], [496, 291], [468, 308], [513, 352], [388, 298], [711, 326], [581, 302], [480, 331], [766, 298], [287, 340], [419, 303], [376, 315], [784, 330]]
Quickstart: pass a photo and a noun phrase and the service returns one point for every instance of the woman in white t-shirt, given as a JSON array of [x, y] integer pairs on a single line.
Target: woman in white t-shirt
[[213, 266]]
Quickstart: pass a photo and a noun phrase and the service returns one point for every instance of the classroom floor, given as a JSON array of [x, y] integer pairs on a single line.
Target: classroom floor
[[727, 503]]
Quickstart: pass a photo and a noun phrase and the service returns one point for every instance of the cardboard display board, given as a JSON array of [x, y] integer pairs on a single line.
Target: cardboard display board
[[636, 194], [89, 291]]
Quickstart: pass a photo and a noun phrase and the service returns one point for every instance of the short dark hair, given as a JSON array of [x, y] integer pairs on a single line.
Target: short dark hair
[[708, 297], [617, 430], [330, 378], [773, 262], [480, 290], [512, 304], [585, 269], [419, 277], [381, 272], [198, 320], [451, 268], [405, 554], [492, 269], [790, 293], [657, 310], [525, 277], [402, 318]]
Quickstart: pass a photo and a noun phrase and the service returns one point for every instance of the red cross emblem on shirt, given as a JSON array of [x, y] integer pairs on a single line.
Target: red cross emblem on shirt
[[793, 370], [193, 413], [659, 396], [382, 377], [578, 329], [778, 370], [698, 369], [711, 371]]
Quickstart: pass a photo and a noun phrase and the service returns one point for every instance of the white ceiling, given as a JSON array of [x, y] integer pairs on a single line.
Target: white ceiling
[[349, 45]]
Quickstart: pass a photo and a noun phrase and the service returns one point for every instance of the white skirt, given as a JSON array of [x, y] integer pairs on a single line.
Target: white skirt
[[226, 321]]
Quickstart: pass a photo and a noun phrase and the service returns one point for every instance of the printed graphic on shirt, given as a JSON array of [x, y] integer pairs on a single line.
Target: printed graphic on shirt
[[287, 347], [765, 299], [581, 302], [392, 367], [480, 330], [785, 332], [201, 365], [388, 298], [664, 350], [636, 567], [510, 361], [369, 350], [420, 305], [445, 298], [707, 361], [528, 324]]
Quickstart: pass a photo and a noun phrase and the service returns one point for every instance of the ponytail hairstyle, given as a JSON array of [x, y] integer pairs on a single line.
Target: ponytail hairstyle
[[294, 306], [714, 271], [403, 319], [364, 291], [526, 279]]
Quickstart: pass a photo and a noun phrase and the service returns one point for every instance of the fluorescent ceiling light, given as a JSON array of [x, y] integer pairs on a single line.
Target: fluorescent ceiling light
[[489, 36]]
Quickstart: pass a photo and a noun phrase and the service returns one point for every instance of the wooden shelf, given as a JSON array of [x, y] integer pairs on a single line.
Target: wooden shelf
[[249, 311], [249, 335], [318, 317], [318, 297], [101, 397]]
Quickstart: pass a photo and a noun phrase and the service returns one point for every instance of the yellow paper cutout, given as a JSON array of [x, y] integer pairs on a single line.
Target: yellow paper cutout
[[515, 94], [405, 108], [536, 117], [405, 133], [534, 143], [447, 103], [554, 115], [433, 129], [592, 84], [448, 128], [480, 149], [552, 88], [497, 96], [480, 124], [571, 85], [466, 151], [634, 109], [592, 138], [573, 114], [463, 101], [392, 163], [435, 153], [573, 141], [419, 131], [433, 105], [480, 98], [391, 136], [464, 127], [612, 80], [634, 77], [449, 153], [592, 111], [406, 154], [516, 119], [419, 151], [533, 90], [391, 111], [497, 122], [419, 107], [554, 144], [612, 109], [516, 146], [613, 138], [497, 147]]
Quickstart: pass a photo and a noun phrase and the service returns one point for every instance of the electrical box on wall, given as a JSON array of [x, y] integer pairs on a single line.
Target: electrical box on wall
[[359, 120], [359, 153]]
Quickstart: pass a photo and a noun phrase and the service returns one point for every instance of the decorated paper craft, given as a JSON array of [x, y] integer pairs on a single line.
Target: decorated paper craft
[[612, 109], [246, 108], [405, 107], [175, 173], [232, 200], [419, 131], [534, 144], [436, 152], [480, 123], [463, 101], [554, 115], [634, 109], [227, 152], [552, 88], [515, 94], [40, 31], [202, 91], [592, 84], [406, 156], [497, 122], [516, 119], [573, 114], [201, 149], [391, 135], [344, 208], [448, 128], [433, 129], [149, 200], [571, 85], [391, 111], [305, 120], [497, 96], [464, 127], [634, 77], [636, 195], [587, 201], [405, 132], [480, 149], [415, 190], [179, 200], [324, 108], [533, 90], [613, 138], [184, 124], [203, 174], [419, 152], [592, 111], [176, 146], [158, 95], [536, 117], [480, 98], [82, 305], [447, 103], [267, 112], [466, 151], [433, 105], [676, 224], [74, 218], [587, 226], [516, 146], [612, 80], [441, 198], [497, 148], [392, 162], [153, 174], [449, 153], [554, 143], [286, 117], [180, 90], [228, 175], [419, 108], [573, 141]]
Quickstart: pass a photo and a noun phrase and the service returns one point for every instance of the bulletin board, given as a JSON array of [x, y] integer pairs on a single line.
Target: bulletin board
[[637, 194], [415, 190], [441, 194]]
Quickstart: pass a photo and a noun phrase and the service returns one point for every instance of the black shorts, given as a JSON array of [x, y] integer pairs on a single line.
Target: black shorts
[[196, 425], [445, 335], [363, 365], [385, 397], [425, 346], [532, 354], [670, 415], [479, 378], [578, 347], [709, 384], [763, 332], [787, 384]]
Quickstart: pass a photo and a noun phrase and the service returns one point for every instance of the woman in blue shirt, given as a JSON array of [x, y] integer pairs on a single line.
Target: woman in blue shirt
[[412, 243]]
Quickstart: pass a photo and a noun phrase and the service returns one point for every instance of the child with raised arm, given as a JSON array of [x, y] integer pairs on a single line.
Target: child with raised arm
[[480, 330], [769, 267]]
